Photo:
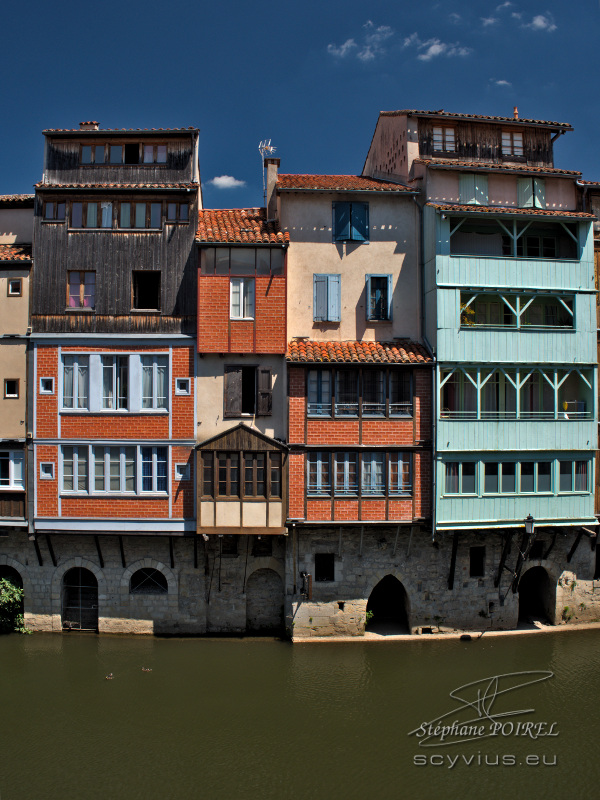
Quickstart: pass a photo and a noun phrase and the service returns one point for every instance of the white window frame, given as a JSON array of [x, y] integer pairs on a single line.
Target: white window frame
[[79, 360], [47, 391], [183, 386], [12, 395], [348, 488], [247, 288], [14, 456], [154, 476], [122, 469], [79, 451], [511, 143], [10, 292], [369, 487], [182, 472], [46, 470], [444, 135], [115, 382], [318, 457], [155, 365], [403, 489]]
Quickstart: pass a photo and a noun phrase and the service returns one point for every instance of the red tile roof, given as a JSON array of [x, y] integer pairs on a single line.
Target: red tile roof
[[239, 226], [96, 131], [15, 252], [536, 212], [402, 351], [22, 199], [411, 112], [450, 163], [589, 183], [335, 183], [188, 185]]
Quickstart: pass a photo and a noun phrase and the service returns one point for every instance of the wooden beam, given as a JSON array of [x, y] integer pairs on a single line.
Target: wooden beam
[[575, 545], [551, 546], [50, 549], [123, 564], [453, 560], [38, 552], [99, 551]]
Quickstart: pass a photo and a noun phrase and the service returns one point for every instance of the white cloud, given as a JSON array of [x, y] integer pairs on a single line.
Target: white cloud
[[503, 5], [369, 47], [500, 82], [435, 47], [343, 50], [516, 15], [227, 182], [542, 22], [454, 17], [487, 21]]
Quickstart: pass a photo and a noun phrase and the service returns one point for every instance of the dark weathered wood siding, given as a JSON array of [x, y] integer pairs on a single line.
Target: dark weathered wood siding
[[479, 141]]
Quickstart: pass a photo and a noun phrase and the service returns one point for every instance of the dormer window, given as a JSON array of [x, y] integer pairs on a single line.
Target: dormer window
[[512, 143], [92, 154], [443, 140]]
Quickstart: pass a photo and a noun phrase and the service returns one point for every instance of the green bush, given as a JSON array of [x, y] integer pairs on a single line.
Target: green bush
[[11, 619]]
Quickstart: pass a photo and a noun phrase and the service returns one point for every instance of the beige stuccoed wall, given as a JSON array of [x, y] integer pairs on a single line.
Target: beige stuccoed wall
[[14, 311], [16, 225], [210, 397], [12, 411], [392, 249]]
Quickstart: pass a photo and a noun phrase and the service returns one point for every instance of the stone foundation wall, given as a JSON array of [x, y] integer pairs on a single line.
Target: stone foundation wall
[[339, 607]]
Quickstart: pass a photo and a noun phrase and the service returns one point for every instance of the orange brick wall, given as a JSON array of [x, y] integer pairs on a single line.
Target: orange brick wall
[[47, 491], [296, 479], [108, 426], [47, 404], [296, 403], [318, 509], [218, 334]]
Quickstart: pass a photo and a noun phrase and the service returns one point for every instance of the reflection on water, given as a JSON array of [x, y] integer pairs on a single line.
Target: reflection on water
[[264, 719]]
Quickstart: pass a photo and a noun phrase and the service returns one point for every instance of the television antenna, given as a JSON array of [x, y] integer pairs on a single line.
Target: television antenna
[[265, 148]]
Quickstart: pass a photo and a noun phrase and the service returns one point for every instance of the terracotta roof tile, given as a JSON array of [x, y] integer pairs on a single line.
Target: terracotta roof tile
[[25, 199], [483, 117], [450, 163], [535, 212], [96, 131], [332, 183], [239, 226], [589, 183], [401, 351], [15, 252], [116, 185]]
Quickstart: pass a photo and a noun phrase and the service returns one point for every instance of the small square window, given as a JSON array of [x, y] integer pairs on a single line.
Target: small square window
[[182, 472], [182, 386], [325, 567], [146, 290], [15, 287], [46, 385], [11, 388], [477, 562], [47, 470]]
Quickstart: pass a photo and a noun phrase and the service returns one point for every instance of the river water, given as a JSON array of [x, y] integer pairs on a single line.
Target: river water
[[251, 718]]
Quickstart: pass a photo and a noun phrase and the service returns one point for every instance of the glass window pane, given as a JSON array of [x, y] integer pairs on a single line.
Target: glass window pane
[[171, 212], [468, 478], [263, 261], [161, 469], [99, 469], [49, 211], [81, 469], [86, 154], [89, 289], [146, 469], [544, 483], [184, 212], [99, 154], [115, 469], [490, 479], [91, 215], [207, 488], [140, 215], [116, 154], [106, 215], [60, 210], [155, 215], [125, 221], [74, 289], [566, 476], [234, 474], [508, 477], [108, 398], [222, 261], [77, 215], [4, 469], [452, 477], [527, 470], [277, 262], [581, 479], [161, 382], [130, 469], [148, 154], [161, 154], [68, 469], [17, 461], [236, 310], [242, 260]]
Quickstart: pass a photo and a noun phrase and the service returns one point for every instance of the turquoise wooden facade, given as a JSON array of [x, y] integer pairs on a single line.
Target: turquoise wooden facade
[[507, 392]]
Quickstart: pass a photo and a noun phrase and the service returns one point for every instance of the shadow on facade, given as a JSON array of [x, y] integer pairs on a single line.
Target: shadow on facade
[[389, 605], [537, 597], [264, 603]]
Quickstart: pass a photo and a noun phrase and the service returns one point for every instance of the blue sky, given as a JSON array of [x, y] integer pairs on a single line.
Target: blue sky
[[311, 76]]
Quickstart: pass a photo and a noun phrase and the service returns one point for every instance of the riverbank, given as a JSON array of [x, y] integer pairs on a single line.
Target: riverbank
[[383, 636]]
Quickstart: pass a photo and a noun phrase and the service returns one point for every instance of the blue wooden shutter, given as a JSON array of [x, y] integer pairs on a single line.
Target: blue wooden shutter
[[389, 296], [334, 304], [481, 190], [539, 190], [524, 192], [320, 297], [360, 222], [341, 221], [467, 188]]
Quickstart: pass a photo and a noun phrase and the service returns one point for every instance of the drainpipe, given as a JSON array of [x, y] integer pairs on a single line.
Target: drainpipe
[[583, 186]]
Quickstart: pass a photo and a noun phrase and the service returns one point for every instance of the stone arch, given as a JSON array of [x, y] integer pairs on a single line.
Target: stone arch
[[57, 581], [7, 561], [390, 606], [148, 563], [267, 562], [264, 601], [537, 596], [79, 600]]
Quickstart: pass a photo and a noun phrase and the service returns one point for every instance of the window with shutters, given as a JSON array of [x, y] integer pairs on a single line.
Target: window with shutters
[[327, 298], [379, 298], [351, 222], [473, 189], [248, 391], [531, 193]]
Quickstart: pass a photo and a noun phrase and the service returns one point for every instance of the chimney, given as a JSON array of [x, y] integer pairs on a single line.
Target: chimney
[[272, 165], [516, 112], [92, 125]]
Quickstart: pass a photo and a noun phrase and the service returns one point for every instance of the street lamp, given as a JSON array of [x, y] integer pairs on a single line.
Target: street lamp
[[529, 524]]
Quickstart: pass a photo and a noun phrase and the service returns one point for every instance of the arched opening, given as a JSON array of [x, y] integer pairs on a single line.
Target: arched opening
[[388, 608], [79, 600], [537, 597], [148, 581], [264, 602], [12, 575]]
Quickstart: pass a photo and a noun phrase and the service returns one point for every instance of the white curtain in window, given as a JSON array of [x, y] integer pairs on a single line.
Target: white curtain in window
[[68, 382], [82, 385], [161, 383], [147, 370]]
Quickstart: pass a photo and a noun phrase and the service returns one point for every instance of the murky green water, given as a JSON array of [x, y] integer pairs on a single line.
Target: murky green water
[[265, 719]]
